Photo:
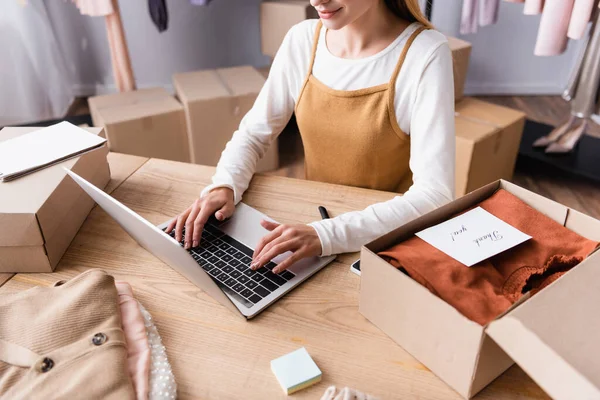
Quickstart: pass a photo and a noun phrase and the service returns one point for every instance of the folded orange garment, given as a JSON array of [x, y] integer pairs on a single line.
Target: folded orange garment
[[487, 289]]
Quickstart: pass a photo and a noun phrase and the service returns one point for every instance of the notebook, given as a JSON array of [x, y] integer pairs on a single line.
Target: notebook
[[28, 153]]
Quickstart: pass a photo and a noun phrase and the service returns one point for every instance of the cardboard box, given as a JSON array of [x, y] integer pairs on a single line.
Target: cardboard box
[[553, 335], [215, 102], [276, 19], [487, 143], [461, 53], [41, 213], [146, 123]]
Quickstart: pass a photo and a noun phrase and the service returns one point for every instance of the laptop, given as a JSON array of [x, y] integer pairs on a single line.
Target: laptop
[[220, 265]]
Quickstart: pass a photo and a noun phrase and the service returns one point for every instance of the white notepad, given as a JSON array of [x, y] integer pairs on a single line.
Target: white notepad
[[296, 371], [36, 150]]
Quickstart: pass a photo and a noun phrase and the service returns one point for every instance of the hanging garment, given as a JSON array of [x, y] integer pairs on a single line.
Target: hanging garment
[[468, 20], [63, 341], [477, 13], [554, 24], [138, 349], [31, 90], [584, 100], [159, 14], [119, 54], [534, 7], [487, 289], [365, 111], [488, 12], [580, 17]]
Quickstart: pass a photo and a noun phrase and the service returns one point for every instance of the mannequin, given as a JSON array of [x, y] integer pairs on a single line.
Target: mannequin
[[582, 93]]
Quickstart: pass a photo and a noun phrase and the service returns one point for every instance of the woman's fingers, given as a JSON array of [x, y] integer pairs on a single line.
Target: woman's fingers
[[189, 225], [171, 225], [225, 212], [275, 232], [181, 218], [273, 249], [291, 260]]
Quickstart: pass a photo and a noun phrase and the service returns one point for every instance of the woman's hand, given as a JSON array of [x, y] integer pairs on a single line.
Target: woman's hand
[[302, 240], [219, 202]]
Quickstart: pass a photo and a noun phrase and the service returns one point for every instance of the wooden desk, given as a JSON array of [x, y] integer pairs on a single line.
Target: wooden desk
[[218, 355]]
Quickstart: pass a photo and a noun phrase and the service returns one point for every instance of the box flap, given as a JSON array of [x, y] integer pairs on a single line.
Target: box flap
[[199, 85], [485, 112], [242, 80], [554, 335], [21, 199], [473, 129], [139, 110], [457, 44], [116, 100]]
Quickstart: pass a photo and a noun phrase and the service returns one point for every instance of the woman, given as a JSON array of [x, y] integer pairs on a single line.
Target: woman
[[372, 88]]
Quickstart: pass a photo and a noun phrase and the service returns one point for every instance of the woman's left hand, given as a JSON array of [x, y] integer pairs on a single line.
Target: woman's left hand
[[300, 239]]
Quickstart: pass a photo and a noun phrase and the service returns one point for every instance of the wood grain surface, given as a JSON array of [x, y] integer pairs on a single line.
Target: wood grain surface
[[216, 354]]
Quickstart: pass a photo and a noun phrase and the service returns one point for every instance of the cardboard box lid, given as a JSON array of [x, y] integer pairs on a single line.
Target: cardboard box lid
[[554, 335], [457, 44], [484, 112], [22, 199], [137, 104], [211, 84], [115, 100]]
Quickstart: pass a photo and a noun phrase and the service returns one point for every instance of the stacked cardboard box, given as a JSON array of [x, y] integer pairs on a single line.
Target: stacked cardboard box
[[41, 213], [146, 123], [487, 143], [215, 102]]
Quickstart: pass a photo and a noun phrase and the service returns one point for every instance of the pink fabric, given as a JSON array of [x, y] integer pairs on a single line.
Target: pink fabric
[[138, 350], [533, 7], [468, 22], [95, 8], [552, 35], [580, 17], [488, 12]]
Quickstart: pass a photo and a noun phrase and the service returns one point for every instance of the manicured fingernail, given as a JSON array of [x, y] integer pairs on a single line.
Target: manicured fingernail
[[219, 216], [254, 265], [187, 245], [195, 243]]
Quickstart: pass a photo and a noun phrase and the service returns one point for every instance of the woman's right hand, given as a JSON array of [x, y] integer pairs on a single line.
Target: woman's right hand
[[219, 202]]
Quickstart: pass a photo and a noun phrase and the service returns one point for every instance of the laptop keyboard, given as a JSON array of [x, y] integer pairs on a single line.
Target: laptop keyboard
[[227, 262]]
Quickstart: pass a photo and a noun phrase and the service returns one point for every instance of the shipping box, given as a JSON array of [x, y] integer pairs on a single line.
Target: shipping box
[[41, 213], [276, 19], [487, 143], [461, 53], [145, 122], [215, 102], [553, 335]]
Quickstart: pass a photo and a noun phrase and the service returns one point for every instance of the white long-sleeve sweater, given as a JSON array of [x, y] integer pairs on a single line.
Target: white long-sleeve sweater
[[424, 105]]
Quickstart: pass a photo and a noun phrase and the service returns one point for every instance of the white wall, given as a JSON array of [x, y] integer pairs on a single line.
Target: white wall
[[226, 33]]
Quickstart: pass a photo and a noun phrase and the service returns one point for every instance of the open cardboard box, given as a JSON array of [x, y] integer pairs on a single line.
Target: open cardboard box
[[553, 336]]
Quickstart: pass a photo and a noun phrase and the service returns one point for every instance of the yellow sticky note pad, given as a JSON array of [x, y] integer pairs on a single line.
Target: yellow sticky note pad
[[296, 371]]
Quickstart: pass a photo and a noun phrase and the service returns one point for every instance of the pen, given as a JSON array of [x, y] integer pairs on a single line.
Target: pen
[[323, 212]]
